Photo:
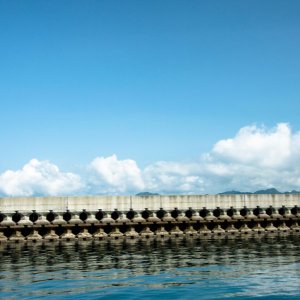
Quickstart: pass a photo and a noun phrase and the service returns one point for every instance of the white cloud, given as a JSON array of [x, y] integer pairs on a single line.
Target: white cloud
[[259, 147], [174, 177], [257, 158], [39, 178], [116, 176], [253, 159]]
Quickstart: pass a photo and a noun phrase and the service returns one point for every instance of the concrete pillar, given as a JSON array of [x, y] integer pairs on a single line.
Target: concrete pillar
[[123, 219], [218, 229], [153, 218], [138, 219], [168, 218], [75, 220], [17, 236], [107, 219], [245, 229], [42, 220], [59, 220], [84, 235], [162, 232], [182, 218], [175, 231], [68, 235], [190, 231], [131, 233], [116, 233], [100, 234], [257, 228], [7, 222], [271, 228], [231, 229], [295, 227], [25, 221], [146, 232], [204, 230], [196, 217], [91, 219], [51, 236], [34, 236], [283, 228], [3, 238]]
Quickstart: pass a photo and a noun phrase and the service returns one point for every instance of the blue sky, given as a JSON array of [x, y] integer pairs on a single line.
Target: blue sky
[[149, 81]]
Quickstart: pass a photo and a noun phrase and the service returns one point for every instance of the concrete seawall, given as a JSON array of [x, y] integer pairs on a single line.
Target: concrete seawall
[[47, 219], [124, 203]]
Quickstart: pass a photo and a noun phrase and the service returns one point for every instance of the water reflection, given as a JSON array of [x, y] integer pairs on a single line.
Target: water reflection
[[178, 268]]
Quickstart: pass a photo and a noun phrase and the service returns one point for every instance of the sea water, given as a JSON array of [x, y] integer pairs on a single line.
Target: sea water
[[187, 268]]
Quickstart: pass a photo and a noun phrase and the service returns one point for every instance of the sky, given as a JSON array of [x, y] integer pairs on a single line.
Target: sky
[[174, 96]]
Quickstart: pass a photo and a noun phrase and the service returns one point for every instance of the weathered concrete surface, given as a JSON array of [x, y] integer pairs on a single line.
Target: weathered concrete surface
[[124, 203]]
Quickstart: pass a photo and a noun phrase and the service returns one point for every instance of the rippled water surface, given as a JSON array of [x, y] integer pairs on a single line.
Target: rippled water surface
[[174, 269]]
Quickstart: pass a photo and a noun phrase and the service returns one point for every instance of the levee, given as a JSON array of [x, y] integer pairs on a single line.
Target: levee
[[33, 219]]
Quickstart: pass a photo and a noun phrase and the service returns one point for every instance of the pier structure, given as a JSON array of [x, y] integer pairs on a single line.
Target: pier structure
[[33, 219]]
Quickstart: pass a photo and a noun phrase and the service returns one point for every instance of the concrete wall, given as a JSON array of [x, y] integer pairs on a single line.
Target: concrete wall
[[124, 203]]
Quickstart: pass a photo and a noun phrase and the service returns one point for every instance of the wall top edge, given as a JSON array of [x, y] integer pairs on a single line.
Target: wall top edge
[[150, 196]]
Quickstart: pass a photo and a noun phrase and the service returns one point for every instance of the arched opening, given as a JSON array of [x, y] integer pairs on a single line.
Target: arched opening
[[33, 216], [270, 210], [83, 215], [283, 210], [67, 216], [99, 215], [204, 212], [189, 213], [161, 213], [295, 210], [217, 212], [130, 215], [175, 213], [115, 214], [16, 217], [2, 217], [257, 211], [146, 214], [231, 211], [244, 211], [51, 216]]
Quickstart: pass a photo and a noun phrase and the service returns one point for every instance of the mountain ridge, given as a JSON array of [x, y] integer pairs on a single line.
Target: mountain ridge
[[272, 191]]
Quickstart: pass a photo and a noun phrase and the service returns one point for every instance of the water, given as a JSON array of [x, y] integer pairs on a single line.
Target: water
[[266, 267]]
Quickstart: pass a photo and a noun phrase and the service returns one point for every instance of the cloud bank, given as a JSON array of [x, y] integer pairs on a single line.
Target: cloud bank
[[256, 157], [39, 178], [116, 176]]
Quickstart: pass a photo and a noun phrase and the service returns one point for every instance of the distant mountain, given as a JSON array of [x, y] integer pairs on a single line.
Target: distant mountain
[[272, 191], [268, 191], [234, 193], [292, 192], [231, 193], [143, 194]]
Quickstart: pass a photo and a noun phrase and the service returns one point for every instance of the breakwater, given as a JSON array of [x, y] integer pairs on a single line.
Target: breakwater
[[134, 217]]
